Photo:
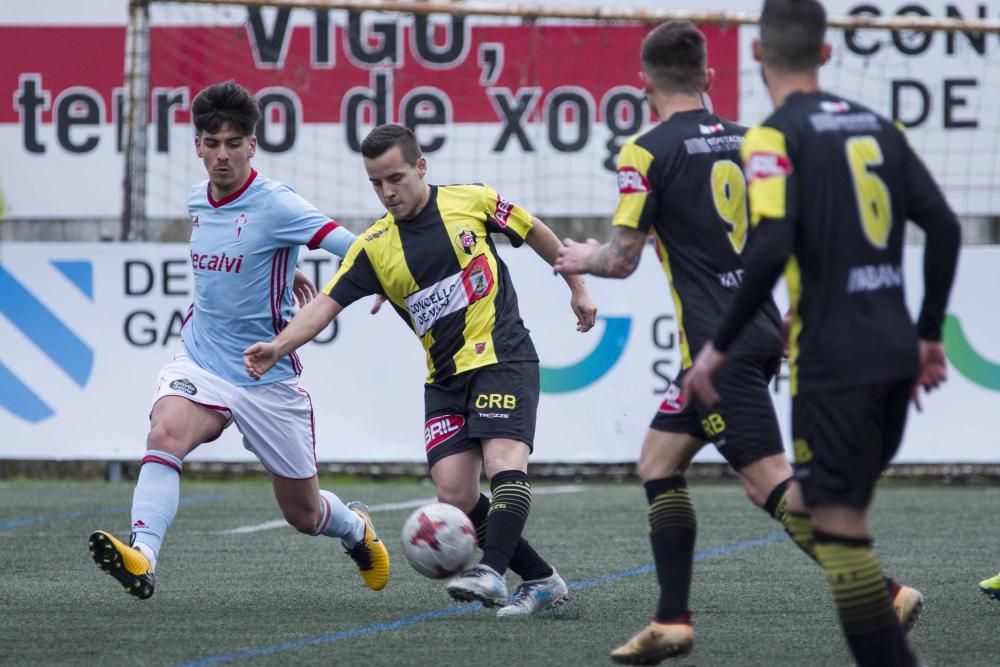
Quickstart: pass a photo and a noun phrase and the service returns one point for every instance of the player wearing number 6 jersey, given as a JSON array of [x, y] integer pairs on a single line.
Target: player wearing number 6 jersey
[[831, 185], [682, 181]]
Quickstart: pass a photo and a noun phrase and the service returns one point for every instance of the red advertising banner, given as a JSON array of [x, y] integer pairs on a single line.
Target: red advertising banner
[[564, 93], [393, 71], [538, 109]]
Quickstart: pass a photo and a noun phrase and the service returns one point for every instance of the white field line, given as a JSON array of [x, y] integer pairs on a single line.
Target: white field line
[[406, 504]]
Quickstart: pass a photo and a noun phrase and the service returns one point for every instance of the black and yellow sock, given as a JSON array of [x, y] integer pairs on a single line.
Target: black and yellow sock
[[862, 599], [508, 513], [798, 526], [525, 561], [478, 517], [672, 529]]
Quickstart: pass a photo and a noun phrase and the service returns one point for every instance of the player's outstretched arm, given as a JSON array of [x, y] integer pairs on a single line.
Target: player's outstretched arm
[[259, 358], [546, 244], [618, 258]]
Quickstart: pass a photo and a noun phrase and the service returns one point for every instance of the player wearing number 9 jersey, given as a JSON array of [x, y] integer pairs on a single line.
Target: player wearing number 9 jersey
[[831, 185], [682, 181]]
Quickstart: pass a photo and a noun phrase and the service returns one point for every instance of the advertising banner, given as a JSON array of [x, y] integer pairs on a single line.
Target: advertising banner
[[86, 328], [537, 109]]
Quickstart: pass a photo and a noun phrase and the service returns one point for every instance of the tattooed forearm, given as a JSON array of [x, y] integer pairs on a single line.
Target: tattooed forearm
[[619, 257]]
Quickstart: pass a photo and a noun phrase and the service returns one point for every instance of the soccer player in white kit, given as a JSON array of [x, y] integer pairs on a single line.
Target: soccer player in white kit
[[245, 238]]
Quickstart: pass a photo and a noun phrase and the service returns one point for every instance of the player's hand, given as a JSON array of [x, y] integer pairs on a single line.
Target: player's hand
[[697, 382], [572, 257], [933, 370], [303, 288], [259, 358], [379, 300], [585, 309]]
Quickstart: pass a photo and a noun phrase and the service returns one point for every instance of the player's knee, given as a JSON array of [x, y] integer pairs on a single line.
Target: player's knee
[[493, 464], [651, 467], [163, 439], [645, 469], [463, 499]]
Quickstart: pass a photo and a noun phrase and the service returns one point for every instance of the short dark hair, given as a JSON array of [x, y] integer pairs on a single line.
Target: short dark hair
[[225, 102], [791, 34], [674, 57], [382, 139]]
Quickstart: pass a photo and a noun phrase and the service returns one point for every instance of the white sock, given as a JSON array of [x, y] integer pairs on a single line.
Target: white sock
[[148, 552], [155, 500], [337, 520]]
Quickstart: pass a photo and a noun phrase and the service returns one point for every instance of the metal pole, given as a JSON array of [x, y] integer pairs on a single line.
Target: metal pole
[[614, 13], [133, 226]]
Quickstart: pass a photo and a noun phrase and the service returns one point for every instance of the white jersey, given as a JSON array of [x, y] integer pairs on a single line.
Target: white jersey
[[244, 249]]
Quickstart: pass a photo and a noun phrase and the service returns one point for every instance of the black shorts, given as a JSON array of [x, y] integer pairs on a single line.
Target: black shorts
[[743, 425], [497, 401], [844, 439]]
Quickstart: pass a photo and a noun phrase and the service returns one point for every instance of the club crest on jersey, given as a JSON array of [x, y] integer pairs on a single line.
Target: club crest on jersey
[[241, 222], [479, 282], [632, 181], [504, 209], [450, 294], [466, 240], [441, 429], [840, 106], [480, 348], [767, 165], [714, 128]]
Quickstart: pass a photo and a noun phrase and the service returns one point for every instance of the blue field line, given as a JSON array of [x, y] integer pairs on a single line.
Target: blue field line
[[461, 609], [27, 521], [700, 555]]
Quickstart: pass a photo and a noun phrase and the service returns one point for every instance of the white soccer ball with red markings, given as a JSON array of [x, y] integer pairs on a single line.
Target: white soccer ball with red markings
[[439, 540]]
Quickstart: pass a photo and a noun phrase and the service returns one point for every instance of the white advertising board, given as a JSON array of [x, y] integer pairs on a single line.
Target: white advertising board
[[86, 327]]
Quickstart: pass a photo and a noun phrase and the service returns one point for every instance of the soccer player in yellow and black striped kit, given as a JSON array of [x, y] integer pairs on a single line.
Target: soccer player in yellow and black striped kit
[[682, 181], [432, 256], [831, 185]]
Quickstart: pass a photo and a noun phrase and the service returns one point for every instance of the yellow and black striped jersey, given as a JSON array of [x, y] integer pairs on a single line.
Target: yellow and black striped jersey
[[442, 275], [683, 181], [835, 183]]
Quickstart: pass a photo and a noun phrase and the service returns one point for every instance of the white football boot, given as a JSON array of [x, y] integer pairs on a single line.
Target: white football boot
[[480, 582], [536, 595]]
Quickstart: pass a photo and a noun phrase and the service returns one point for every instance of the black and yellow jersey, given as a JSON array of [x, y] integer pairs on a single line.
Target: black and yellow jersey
[[683, 181], [831, 185], [441, 273]]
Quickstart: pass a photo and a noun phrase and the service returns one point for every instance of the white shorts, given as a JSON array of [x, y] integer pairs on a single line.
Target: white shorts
[[276, 418]]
